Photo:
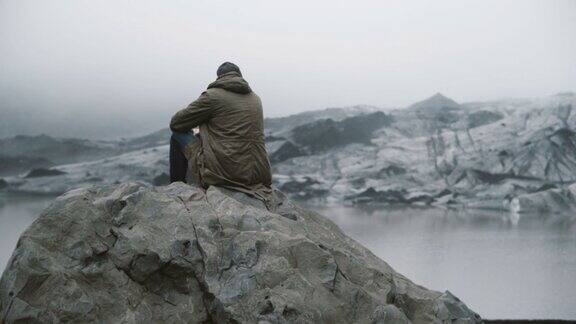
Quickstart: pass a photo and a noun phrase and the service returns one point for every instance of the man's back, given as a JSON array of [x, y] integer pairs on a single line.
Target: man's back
[[237, 115], [232, 152]]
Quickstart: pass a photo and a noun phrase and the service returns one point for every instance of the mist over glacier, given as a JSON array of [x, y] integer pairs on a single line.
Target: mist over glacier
[[111, 69]]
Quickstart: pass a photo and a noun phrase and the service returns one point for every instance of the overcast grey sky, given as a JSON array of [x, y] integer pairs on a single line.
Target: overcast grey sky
[[156, 56]]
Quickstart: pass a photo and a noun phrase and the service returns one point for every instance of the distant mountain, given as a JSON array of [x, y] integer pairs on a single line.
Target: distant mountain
[[10, 165], [148, 165], [57, 150], [283, 124], [156, 138], [23, 152], [326, 134], [436, 104]]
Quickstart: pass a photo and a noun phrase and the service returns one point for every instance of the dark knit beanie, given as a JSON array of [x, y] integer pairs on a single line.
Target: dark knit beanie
[[228, 67]]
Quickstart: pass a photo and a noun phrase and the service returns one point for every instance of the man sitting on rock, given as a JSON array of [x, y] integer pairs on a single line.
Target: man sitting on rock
[[229, 150]]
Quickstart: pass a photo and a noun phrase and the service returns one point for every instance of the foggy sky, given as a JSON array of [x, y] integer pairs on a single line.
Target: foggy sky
[[149, 58]]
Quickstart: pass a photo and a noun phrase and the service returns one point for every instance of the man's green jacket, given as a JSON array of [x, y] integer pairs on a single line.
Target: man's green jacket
[[231, 152]]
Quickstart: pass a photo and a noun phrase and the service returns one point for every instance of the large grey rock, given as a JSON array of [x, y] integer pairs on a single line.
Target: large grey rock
[[133, 253]]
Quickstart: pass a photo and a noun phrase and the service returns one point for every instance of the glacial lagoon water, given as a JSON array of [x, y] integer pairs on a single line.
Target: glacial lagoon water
[[503, 267], [17, 212]]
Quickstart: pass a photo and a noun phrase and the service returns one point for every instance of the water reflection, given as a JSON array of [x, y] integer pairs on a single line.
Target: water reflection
[[16, 213]]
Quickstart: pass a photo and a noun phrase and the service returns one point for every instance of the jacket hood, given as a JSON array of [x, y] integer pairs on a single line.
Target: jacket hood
[[231, 81]]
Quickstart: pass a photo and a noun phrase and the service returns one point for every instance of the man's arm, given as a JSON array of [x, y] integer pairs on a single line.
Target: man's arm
[[195, 114]]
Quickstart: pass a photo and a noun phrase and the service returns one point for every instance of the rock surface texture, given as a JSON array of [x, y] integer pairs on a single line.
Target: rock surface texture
[[134, 253]]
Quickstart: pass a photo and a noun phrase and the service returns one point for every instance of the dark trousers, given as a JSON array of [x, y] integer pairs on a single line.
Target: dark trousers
[[178, 161]]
